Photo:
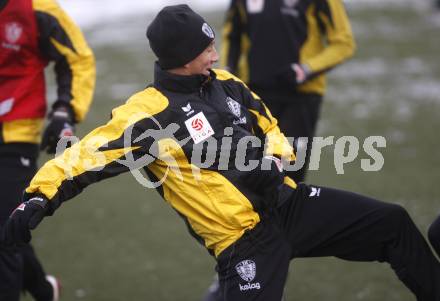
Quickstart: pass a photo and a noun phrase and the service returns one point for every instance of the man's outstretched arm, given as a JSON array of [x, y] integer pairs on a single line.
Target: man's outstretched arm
[[107, 151]]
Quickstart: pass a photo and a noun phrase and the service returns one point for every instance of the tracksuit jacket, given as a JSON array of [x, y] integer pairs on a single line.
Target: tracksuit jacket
[[184, 131]]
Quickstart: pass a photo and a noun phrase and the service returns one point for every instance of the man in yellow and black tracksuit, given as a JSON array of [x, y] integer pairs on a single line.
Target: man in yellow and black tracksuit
[[282, 50], [32, 34], [212, 150]]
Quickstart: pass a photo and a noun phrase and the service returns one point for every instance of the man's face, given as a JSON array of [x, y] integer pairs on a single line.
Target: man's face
[[204, 62]]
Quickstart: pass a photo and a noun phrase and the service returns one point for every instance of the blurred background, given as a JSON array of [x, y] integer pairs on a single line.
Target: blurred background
[[120, 241]]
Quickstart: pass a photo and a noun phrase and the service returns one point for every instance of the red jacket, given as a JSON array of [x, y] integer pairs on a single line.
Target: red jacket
[[22, 84], [33, 33]]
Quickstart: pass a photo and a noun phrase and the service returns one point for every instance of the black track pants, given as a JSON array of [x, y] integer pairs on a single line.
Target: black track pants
[[19, 266], [320, 221]]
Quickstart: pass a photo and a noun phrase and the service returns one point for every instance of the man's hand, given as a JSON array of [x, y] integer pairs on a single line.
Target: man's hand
[[24, 218], [61, 124], [273, 172], [268, 179], [295, 74], [301, 73]]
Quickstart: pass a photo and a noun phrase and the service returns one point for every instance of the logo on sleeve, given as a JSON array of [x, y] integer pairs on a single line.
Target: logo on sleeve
[[199, 128], [247, 270]]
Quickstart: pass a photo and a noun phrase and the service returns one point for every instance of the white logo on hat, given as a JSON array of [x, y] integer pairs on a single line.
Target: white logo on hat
[[208, 30]]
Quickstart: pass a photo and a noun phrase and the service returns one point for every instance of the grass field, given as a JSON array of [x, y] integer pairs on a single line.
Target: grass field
[[118, 241]]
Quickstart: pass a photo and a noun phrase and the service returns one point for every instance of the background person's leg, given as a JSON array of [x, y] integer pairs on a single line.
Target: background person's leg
[[297, 115], [34, 277], [299, 120], [328, 222], [10, 274], [21, 267], [12, 183]]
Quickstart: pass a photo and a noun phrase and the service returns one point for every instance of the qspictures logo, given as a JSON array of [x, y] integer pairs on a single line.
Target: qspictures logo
[[208, 150]]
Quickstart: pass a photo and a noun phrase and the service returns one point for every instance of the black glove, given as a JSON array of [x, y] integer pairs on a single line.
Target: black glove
[[272, 169], [61, 124], [24, 218], [268, 179]]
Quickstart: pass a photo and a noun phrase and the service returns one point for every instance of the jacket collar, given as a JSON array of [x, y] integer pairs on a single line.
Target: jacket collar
[[181, 83]]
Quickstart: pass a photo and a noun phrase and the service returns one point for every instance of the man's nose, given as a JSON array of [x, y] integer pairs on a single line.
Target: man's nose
[[215, 56]]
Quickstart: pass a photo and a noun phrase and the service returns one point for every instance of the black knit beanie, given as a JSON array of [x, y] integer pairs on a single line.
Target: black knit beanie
[[178, 35]]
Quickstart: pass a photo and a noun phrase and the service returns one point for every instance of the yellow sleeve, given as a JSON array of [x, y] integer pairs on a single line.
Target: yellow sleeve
[[338, 34], [62, 41], [103, 152]]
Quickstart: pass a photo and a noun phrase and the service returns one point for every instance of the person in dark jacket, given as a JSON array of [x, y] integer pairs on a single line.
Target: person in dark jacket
[[214, 152], [283, 50], [32, 34]]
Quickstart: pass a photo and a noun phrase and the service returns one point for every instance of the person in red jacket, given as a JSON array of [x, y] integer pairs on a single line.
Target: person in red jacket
[[32, 34]]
